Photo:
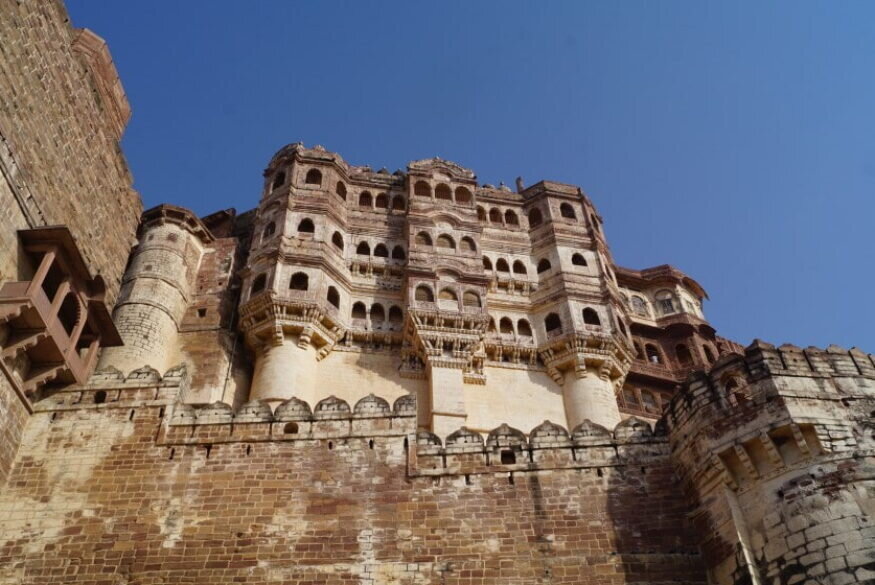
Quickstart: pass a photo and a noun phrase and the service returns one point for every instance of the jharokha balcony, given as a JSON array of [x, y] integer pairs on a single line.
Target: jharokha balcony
[[52, 325]]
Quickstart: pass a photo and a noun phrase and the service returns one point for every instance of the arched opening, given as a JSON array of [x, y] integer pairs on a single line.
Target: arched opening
[[424, 293], [544, 265], [68, 314], [359, 310], [501, 265], [448, 294], [314, 177], [445, 241], [495, 215], [463, 195], [535, 217], [519, 268], [639, 353], [491, 327], [290, 428], [683, 354], [306, 226], [258, 284], [653, 354], [395, 315], [567, 211], [423, 239], [443, 192], [333, 297], [382, 201], [340, 190], [365, 199], [505, 326], [590, 317], [481, 214], [269, 230], [337, 240], [487, 263], [578, 260], [378, 314], [649, 401], [363, 249], [709, 354], [398, 203], [510, 217], [300, 281], [467, 245], [381, 251], [553, 324], [639, 306], [279, 180], [524, 328], [398, 253], [665, 302], [471, 299], [422, 189], [622, 327], [594, 221]]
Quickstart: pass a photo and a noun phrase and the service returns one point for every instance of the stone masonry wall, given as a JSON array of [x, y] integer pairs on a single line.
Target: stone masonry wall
[[116, 485], [13, 417], [61, 161]]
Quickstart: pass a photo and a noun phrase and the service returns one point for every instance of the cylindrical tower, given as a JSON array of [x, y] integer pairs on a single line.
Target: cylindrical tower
[[156, 289], [590, 395]]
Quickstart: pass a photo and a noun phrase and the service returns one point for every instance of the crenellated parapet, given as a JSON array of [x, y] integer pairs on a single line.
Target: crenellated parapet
[[776, 447]]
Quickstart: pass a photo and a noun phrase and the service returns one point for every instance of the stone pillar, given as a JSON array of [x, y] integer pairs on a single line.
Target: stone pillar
[[285, 370], [589, 394], [446, 400], [154, 296]]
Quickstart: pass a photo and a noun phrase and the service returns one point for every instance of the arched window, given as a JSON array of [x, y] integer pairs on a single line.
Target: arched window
[[337, 240], [649, 401], [709, 354], [398, 253], [398, 203], [314, 177], [683, 354], [467, 245], [395, 314], [505, 326], [422, 189], [363, 249], [481, 214], [423, 293], [471, 299], [445, 241], [501, 265], [494, 215], [443, 192], [382, 201], [381, 251], [639, 353], [463, 195], [622, 327], [279, 179], [510, 217], [524, 328], [553, 324], [653, 354], [300, 281], [359, 310], [519, 268], [378, 314], [578, 260], [491, 327], [487, 263], [258, 284], [544, 265], [340, 190], [68, 314], [535, 217], [306, 226], [423, 239], [665, 301], [448, 294], [639, 306], [594, 221], [590, 317], [630, 398], [333, 297], [269, 230], [567, 211], [365, 199]]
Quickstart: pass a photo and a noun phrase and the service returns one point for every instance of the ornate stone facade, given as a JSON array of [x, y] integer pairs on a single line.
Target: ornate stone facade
[[382, 378]]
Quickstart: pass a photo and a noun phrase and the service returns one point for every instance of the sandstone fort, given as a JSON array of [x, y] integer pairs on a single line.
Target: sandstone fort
[[377, 377]]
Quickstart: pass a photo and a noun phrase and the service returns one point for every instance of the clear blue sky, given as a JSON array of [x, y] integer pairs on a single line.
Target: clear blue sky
[[733, 140]]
